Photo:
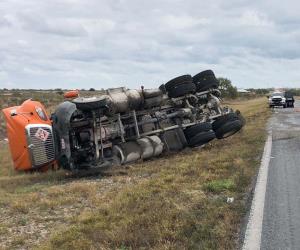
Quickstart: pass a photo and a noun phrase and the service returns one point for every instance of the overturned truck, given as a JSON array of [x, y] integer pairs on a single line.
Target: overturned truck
[[121, 125]]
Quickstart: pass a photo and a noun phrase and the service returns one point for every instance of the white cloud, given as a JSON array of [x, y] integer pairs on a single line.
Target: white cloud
[[184, 22], [98, 25], [254, 18], [56, 26], [102, 43], [5, 21]]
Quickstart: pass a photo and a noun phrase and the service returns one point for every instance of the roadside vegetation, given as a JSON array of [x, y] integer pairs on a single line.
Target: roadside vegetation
[[176, 202]]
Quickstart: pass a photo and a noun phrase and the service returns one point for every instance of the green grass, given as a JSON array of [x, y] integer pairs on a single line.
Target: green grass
[[218, 186], [174, 202]]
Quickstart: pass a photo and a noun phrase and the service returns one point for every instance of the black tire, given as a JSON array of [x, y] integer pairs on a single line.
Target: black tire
[[177, 81], [224, 119], [181, 90], [228, 129], [163, 88], [205, 80], [201, 138], [291, 104], [197, 128], [90, 103]]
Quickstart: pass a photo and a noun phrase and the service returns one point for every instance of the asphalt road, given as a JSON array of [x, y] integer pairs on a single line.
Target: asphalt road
[[281, 217]]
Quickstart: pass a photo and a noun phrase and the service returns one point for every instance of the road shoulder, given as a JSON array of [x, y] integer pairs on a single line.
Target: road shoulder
[[252, 238]]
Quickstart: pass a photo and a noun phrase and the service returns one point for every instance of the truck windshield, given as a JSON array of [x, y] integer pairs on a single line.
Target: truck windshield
[[277, 94]]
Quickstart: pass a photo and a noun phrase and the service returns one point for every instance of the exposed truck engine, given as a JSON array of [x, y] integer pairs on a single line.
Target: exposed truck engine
[[121, 125]]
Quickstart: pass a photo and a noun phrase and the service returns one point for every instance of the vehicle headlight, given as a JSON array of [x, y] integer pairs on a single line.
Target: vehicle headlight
[[283, 99]]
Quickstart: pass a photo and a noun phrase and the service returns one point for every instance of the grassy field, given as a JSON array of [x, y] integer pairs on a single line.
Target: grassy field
[[175, 202]]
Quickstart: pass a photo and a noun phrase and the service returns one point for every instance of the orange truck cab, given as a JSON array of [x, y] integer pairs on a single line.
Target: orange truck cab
[[30, 135]]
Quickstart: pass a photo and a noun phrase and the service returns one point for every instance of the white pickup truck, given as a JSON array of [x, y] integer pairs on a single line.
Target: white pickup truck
[[277, 99], [283, 99]]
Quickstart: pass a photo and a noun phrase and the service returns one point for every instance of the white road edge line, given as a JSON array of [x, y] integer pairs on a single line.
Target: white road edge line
[[252, 239]]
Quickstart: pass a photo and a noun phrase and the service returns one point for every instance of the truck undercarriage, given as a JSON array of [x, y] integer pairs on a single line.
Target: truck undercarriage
[[123, 126]]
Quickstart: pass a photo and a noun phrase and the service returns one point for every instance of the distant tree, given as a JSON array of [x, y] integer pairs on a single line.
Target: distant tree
[[227, 89], [260, 91], [91, 89], [294, 91]]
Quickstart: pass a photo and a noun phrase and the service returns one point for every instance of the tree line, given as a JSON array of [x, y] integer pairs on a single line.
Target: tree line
[[228, 90]]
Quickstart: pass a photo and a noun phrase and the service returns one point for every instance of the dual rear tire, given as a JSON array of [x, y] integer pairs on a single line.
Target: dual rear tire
[[199, 134], [180, 86], [221, 128], [205, 80], [186, 84], [228, 125]]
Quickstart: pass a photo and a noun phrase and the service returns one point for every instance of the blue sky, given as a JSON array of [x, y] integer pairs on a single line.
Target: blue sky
[[102, 43]]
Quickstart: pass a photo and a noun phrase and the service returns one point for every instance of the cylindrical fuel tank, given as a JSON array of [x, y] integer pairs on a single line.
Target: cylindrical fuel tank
[[131, 151], [122, 100], [143, 148], [127, 152], [135, 98], [146, 147], [157, 144]]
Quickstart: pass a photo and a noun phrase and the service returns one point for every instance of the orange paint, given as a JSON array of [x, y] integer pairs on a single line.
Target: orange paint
[[71, 94], [17, 118]]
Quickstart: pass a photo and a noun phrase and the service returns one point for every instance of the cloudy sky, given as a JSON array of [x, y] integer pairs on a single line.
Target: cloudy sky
[[108, 43]]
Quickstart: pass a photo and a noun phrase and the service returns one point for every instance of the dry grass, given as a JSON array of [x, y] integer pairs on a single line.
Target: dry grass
[[5, 160], [175, 202]]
